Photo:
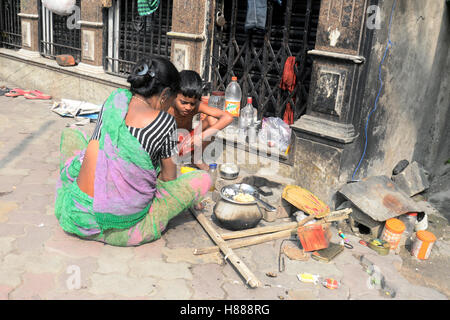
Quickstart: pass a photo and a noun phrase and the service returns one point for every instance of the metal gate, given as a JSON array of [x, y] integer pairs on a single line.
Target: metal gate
[[10, 27], [130, 37], [56, 36], [258, 59]]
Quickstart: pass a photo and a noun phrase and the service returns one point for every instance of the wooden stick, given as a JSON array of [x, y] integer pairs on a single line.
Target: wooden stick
[[251, 279], [261, 239], [240, 243], [342, 214], [260, 230]]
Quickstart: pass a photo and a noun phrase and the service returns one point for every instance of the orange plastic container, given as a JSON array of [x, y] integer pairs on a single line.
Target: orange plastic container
[[421, 248], [314, 237], [392, 233]]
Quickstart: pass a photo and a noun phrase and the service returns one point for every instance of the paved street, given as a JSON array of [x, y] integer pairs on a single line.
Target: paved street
[[40, 261]]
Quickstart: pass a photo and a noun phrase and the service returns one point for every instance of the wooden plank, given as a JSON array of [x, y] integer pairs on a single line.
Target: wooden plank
[[331, 216], [240, 243], [250, 278]]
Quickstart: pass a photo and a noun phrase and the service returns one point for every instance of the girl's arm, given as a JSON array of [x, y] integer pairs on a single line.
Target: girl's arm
[[168, 170], [224, 119]]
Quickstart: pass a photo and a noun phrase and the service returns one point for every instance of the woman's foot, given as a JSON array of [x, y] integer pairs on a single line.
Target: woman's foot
[[199, 206]]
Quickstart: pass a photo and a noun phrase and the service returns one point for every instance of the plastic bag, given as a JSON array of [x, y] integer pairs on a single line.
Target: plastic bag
[[276, 133], [60, 7]]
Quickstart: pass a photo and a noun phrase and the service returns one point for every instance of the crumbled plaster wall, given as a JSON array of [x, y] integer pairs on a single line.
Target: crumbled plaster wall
[[410, 122]]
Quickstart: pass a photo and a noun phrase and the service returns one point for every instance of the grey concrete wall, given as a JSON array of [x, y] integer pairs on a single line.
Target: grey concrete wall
[[45, 75], [412, 119]]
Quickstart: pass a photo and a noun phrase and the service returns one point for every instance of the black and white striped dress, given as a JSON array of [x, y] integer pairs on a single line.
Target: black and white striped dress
[[158, 138]]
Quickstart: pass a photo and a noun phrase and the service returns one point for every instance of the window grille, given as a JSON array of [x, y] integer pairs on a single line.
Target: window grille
[[258, 59], [10, 26], [130, 37], [57, 36]]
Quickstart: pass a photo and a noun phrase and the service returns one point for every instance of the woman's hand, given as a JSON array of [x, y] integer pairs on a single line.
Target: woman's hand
[[191, 142]]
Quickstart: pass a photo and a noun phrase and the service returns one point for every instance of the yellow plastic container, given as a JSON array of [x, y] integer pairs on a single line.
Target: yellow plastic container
[[184, 170]]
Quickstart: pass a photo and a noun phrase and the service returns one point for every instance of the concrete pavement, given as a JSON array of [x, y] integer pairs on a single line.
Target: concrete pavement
[[39, 261]]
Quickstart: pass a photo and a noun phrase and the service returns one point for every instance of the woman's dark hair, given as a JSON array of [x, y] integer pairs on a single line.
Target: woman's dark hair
[[191, 84], [150, 76]]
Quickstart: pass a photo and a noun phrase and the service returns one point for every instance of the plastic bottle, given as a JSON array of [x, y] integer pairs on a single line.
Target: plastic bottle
[[233, 96], [217, 100], [213, 174], [246, 117]]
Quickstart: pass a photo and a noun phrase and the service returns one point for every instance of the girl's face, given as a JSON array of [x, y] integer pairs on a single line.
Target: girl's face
[[185, 105]]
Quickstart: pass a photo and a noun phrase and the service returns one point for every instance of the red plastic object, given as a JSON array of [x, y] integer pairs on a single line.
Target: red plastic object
[[16, 92], [181, 138], [313, 237], [37, 95]]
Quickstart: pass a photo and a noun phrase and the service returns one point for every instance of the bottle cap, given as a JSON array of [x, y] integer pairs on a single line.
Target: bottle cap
[[249, 100], [213, 166], [233, 78]]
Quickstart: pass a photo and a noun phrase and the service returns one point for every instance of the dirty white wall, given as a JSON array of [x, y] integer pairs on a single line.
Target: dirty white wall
[[413, 116]]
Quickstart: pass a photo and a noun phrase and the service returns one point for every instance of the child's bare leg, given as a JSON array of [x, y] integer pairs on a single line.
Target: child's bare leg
[[206, 123]]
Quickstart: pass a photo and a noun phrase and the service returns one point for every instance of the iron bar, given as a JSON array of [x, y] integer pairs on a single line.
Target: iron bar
[[136, 36], [55, 37], [258, 59], [10, 26]]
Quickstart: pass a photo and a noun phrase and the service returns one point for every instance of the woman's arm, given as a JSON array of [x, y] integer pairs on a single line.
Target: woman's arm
[[224, 119], [168, 170]]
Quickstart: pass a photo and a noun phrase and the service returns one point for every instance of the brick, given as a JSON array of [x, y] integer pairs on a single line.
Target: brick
[[121, 285], [4, 292], [65, 60], [284, 209], [412, 180], [34, 286], [207, 282]]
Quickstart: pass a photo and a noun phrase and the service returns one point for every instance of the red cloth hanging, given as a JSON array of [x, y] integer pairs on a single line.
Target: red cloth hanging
[[288, 114], [288, 81]]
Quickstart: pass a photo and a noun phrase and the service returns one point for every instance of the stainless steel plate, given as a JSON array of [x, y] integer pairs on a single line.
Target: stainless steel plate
[[228, 192]]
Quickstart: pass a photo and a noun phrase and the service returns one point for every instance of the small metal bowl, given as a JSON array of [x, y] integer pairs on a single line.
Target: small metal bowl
[[229, 171]]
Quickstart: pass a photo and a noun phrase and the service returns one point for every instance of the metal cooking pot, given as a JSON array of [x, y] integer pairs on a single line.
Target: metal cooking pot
[[228, 192]]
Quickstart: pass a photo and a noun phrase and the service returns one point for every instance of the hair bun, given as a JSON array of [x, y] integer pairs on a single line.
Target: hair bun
[[136, 81]]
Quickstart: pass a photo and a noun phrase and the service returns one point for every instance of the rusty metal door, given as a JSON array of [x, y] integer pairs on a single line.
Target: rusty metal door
[[258, 59]]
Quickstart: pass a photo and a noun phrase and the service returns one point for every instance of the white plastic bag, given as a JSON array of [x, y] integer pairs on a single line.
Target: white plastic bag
[[275, 133], [60, 7]]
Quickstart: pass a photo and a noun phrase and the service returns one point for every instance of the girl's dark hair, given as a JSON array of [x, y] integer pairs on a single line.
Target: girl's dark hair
[[150, 76], [191, 84]]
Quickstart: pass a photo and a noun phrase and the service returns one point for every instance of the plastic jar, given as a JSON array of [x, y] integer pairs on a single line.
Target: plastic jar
[[217, 100], [392, 233], [421, 222], [410, 220], [423, 244]]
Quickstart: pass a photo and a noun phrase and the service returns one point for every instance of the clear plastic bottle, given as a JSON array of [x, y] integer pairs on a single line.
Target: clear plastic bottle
[[213, 175], [247, 115], [233, 97]]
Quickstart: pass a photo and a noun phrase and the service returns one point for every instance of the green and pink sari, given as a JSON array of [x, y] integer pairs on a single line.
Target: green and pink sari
[[130, 205]]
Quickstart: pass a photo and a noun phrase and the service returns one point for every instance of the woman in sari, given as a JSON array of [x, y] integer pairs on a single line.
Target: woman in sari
[[120, 187]]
